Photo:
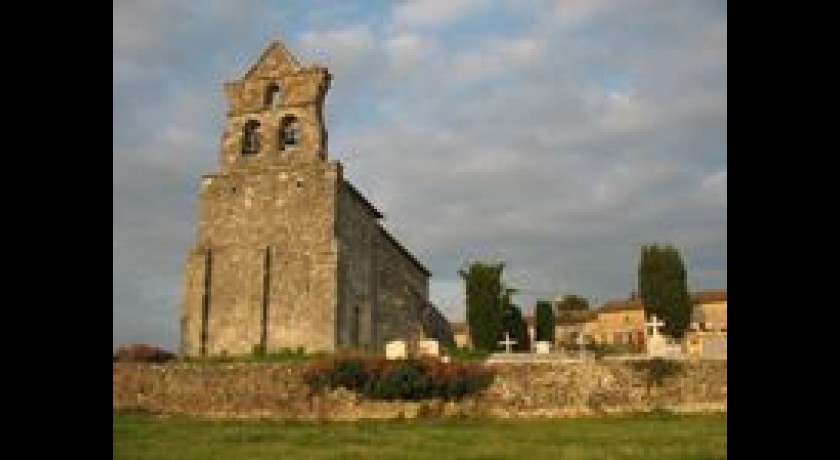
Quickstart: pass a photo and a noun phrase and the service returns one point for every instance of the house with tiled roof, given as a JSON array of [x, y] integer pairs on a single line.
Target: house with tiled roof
[[622, 322], [619, 322], [709, 312]]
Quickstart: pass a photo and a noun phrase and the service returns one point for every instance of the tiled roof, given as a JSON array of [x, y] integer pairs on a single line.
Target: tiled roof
[[459, 327], [568, 317], [575, 316], [716, 295], [621, 305]]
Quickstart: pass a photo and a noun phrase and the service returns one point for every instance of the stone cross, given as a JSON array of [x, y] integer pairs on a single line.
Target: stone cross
[[507, 342], [654, 324]]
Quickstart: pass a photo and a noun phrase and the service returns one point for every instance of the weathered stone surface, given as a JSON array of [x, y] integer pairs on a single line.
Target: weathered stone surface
[[273, 390], [288, 254]]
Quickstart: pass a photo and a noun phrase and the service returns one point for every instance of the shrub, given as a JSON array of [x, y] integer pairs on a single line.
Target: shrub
[[143, 353], [609, 349], [409, 379], [658, 369], [349, 374], [467, 354], [405, 380]]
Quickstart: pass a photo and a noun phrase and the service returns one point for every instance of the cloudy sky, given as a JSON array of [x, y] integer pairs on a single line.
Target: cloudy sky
[[555, 135]]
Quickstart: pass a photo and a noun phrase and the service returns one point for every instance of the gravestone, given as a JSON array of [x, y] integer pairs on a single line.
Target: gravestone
[[542, 347], [396, 349], [507, 342], [428, 347], [657, 346]]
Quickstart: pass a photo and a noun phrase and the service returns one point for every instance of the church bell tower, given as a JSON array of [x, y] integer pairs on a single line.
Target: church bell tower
[[288, 254], [261, 275], [275, 113]]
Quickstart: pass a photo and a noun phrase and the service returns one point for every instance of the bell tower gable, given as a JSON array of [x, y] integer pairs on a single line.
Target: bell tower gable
[[275, 112]]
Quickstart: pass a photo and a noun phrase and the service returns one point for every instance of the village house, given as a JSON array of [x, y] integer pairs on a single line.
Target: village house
[[621, 322]]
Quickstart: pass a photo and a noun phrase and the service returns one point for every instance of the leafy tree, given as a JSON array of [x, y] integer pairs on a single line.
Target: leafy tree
[[483, 286], [572, 302], [663, 287], [544, 318]]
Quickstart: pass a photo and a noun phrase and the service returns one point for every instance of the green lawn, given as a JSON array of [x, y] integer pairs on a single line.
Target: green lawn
[[660, 436]]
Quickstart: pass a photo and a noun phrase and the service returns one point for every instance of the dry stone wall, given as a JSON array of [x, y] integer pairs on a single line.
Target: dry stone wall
[[275, 390]]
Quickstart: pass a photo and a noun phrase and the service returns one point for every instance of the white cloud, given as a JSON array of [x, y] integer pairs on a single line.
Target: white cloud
[[558, 149], [582, 13], [576, 11], [715, 183], [414, 13], [406, 52], [345, 43], [142, 27], [348, 52], [498, 55]]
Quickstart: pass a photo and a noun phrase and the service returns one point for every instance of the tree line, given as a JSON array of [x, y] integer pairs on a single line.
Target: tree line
[[491, 313]]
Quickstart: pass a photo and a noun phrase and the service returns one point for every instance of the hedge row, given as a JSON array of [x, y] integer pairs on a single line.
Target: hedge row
[[142, 353], [410, 379]]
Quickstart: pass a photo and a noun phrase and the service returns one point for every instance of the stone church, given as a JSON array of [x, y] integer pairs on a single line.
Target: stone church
[[289, 253]]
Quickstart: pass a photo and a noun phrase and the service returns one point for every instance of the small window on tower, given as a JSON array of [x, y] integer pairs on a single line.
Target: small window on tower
[[272, 95], [251, 137], [289, 132]]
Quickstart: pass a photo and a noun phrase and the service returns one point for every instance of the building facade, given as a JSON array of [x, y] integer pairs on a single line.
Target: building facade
[[619, 322], [288, 252], [707, 337], [623, 322]]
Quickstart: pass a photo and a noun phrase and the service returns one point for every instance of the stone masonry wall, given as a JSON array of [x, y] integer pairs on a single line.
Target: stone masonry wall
[[383, 292], [289, 213], [265, 258], [402, 292], [302, 94], [436, 326], [357, 228], [519, 391]]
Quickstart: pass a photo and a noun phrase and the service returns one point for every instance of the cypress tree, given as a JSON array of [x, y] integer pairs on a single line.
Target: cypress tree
[[573, 302], [663, 287], [544, 319], [514, 324], [483, 286]]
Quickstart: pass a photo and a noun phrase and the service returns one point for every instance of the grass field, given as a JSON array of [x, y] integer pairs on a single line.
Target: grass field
[[661, 436]]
